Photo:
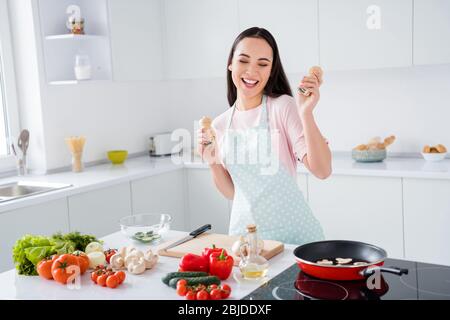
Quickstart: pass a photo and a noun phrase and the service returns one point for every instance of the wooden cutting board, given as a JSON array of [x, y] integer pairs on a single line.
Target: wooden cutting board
[[206, 240]]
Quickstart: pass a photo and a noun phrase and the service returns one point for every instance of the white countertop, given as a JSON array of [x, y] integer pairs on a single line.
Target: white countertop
[[147, 286], [136, 168]]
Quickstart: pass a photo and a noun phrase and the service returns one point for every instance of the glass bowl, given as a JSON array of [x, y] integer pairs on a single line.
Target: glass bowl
[[145, 228]]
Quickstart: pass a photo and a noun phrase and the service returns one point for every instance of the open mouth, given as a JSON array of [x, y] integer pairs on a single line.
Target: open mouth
[[249, 83]]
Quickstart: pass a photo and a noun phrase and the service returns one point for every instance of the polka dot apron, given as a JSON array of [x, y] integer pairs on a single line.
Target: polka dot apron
[[268, 198]]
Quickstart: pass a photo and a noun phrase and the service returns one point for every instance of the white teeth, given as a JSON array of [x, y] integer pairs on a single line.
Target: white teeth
[[249, 81]]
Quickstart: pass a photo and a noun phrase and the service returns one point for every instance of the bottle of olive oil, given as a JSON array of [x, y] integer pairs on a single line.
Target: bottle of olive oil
[[253, 266]]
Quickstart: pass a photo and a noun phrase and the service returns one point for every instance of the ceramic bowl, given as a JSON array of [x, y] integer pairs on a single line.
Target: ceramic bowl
[[371, 155], [434, 156], [117, 156]]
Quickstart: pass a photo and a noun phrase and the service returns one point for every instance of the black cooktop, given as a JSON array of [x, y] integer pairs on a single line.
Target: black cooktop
[[423, 282]]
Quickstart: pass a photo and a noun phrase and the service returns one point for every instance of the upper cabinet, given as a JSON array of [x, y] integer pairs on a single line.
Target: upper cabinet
[[136, 39], [294, 25], [360, 34], [431, 31], [61, 48], [199, 35]]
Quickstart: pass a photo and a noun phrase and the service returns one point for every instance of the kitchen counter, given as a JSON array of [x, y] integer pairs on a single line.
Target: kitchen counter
[[145, 286], [104, 175]]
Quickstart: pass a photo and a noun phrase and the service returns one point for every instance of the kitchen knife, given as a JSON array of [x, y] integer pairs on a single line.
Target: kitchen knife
[[191, 236]]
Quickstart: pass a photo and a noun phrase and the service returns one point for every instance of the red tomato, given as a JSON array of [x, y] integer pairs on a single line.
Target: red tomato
[[213, 286], [181, 282], [101, 280], [226, 291], [202, 295], [181, 290], [121, 275], [44, 269], [94, 276], [216, 294], [112, 281], [190, 295], [61, 270], [83, 260]]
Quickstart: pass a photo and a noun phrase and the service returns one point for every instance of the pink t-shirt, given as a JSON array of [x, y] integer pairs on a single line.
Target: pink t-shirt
[[283, 116]]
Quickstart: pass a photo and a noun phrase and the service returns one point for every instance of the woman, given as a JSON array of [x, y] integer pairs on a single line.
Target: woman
[[264, 119]]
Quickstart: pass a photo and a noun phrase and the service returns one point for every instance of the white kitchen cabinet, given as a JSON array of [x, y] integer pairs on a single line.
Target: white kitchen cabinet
[[199, 36], [163, 193], [302, 182], [367, 209], [205, 203], [431, 31], [42, 219], [136, 39], [350, 37], [98, 212], [427, 220], [294, 25]]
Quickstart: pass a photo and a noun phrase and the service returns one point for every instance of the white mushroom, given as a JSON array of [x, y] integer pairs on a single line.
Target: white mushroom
[[132, 255], [136, 264], [117, 261], [150, 259]]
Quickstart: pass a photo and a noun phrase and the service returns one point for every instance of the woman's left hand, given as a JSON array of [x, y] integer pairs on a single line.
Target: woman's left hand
[[307, 103]]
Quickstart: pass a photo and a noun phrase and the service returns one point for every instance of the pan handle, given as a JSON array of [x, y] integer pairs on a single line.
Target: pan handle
[[394, 270]]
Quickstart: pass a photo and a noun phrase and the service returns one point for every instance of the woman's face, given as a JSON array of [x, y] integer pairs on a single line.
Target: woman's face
[[250, 67]]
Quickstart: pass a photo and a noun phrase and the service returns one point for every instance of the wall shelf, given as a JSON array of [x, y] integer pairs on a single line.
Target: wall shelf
[[60, 47], [75, 37]]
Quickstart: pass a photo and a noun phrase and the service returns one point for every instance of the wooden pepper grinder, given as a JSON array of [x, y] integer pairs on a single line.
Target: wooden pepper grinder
[[205, 123], [318, 73]]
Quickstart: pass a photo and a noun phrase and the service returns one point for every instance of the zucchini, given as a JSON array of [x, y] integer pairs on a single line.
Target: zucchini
[[193, 281], [186, 274]]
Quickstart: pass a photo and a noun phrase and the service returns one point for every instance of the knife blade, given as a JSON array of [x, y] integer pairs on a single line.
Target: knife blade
[[191, 236]]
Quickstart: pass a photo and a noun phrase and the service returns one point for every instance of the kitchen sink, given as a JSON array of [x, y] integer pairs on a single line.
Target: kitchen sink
[[21, 189]]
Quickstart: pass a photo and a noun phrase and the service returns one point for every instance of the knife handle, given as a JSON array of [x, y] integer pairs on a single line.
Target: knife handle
[[200, 230]]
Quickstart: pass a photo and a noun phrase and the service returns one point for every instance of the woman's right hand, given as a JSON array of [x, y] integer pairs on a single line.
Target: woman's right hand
[[206, 146]]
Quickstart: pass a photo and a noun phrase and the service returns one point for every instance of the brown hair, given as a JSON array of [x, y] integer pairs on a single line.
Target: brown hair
[[277, 84]]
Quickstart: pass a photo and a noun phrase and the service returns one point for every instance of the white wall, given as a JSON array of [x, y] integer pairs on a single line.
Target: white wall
[[411, 103]]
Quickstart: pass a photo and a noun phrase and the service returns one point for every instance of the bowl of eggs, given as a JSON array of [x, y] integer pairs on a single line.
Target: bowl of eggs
[[434, 153]]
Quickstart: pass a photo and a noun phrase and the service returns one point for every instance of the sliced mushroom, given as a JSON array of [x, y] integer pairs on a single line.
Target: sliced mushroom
[[360, 263], [344, 260], [325, 262]]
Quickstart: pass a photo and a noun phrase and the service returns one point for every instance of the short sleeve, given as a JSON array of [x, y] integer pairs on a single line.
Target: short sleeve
[[294, 130]]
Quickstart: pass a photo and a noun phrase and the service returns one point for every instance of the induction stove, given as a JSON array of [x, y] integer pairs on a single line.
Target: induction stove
[[423, 282]]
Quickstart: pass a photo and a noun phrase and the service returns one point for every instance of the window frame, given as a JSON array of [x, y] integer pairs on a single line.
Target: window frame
[[8, 77]]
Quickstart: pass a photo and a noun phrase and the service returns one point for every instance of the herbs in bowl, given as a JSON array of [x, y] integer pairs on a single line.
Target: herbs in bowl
[[145, 228]]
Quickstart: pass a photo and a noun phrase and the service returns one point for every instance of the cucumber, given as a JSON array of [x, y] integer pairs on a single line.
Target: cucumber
[[193, 281], [185, 274]]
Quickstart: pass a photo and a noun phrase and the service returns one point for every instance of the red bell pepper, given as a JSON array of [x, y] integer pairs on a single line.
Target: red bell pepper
[[220, 265], [208, 251], [193, 262]]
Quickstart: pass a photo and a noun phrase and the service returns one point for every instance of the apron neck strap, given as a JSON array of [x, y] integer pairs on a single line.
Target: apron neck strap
[[264, 118]]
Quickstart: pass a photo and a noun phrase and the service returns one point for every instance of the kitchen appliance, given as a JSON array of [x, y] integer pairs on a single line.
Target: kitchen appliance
[[162, 145], [423, 282], [205, 240], [370, 259]]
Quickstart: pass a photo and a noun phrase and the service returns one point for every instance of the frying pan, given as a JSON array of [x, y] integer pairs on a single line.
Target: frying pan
[[307, 256]]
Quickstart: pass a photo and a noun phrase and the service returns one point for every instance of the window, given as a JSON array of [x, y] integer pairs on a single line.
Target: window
[[9, 124]]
